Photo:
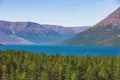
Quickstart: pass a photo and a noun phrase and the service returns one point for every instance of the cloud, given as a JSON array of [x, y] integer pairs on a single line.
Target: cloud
[[72, 5], [98, 3], [72, 10], [75, 5]]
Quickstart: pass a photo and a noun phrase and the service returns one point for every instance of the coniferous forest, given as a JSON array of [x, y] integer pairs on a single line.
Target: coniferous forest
[[23, 65]]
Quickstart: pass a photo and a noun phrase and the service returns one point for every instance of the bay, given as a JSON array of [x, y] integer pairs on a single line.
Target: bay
[[67, 50]]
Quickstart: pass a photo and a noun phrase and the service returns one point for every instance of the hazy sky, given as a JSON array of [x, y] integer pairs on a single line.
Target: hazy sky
[[58, 12]]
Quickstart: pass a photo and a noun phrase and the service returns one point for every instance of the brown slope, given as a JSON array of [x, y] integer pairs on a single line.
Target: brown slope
[[113, 19]]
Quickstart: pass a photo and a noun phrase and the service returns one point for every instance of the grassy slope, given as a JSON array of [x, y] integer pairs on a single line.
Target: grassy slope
[[105, 35]]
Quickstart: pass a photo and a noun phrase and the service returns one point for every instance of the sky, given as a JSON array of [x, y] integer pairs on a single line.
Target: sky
[[57, 12]]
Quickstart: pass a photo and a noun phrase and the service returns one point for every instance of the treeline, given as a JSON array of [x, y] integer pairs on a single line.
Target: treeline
[[23, 65]]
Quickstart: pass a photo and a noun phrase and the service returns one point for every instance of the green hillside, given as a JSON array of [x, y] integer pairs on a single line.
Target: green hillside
[[101, 35]]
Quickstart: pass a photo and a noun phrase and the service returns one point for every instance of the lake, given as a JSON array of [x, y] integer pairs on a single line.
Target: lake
[[68, 50]]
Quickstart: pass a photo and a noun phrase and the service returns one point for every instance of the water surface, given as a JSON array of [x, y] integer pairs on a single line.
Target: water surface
[[68, 50]]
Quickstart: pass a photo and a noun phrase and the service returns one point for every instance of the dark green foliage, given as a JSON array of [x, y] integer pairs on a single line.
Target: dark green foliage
[[23, 65]]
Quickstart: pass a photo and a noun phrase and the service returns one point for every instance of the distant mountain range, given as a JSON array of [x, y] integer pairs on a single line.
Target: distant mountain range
[[34, 33], [106, 32]]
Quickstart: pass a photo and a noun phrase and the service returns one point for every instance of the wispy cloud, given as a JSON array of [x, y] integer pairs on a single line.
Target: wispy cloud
[[98, 3], [73, 6]]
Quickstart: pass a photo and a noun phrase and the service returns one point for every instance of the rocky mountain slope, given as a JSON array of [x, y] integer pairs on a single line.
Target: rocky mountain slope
[[106, 32]]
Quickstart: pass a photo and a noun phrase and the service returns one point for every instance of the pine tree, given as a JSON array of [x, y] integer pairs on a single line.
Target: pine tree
[[117, 72], [4, 72]]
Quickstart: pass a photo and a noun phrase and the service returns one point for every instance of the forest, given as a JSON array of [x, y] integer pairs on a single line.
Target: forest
[[24, 65]]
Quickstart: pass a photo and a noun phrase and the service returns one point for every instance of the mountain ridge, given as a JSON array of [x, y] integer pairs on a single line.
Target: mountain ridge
[[105, 33], [113, 19], [30, 32]]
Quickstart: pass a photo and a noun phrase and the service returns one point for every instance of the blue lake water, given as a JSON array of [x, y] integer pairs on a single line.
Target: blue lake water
[[68, 50]]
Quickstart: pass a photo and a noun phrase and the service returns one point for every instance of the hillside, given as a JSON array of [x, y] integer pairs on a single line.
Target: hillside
[[34, 33], [106, 32]]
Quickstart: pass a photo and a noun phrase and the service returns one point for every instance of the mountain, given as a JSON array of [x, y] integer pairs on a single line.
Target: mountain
[[106, 32], [34, 33], [113, 19]]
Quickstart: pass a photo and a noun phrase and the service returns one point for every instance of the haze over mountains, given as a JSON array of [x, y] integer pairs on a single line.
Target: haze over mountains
[[106, 32], [34, 33]]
